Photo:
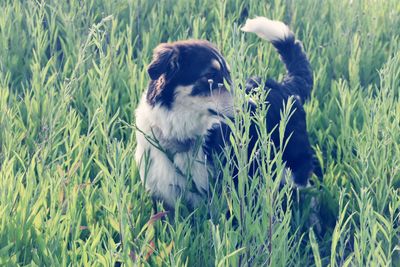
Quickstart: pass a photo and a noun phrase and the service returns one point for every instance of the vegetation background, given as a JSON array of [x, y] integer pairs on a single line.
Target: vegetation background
[[71, 76]]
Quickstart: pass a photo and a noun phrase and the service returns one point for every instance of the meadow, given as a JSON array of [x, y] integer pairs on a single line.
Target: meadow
[[71, 74]]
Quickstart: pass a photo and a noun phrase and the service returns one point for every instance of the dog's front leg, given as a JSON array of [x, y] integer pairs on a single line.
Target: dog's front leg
[[193, 199], [174, 192]]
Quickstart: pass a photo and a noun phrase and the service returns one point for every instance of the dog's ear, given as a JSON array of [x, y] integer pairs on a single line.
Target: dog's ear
[[165, 61]]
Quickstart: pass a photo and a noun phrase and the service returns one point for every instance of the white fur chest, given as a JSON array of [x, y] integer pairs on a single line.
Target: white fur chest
[[168, 176]]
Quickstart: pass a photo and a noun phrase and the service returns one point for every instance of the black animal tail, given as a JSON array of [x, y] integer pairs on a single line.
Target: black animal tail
[[299, 77]]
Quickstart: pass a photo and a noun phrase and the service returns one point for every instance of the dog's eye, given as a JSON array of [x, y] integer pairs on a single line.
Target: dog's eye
[[215, 76]]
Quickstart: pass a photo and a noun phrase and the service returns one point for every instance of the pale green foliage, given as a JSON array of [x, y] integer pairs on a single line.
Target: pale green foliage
[[71, 74]]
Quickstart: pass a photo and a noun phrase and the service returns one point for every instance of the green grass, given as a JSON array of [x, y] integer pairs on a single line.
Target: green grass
[[71, 76]]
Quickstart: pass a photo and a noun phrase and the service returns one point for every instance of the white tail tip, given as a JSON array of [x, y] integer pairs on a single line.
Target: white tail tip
[[271, 30]]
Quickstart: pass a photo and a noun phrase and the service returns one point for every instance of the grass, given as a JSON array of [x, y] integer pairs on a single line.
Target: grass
[[71, 76]]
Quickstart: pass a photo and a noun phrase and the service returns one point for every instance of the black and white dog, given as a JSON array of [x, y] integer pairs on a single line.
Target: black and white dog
[[187, 96]]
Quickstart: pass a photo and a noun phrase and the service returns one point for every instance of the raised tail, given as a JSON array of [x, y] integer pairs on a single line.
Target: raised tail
[[299, 77]]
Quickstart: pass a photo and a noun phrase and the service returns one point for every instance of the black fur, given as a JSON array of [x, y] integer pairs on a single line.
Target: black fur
[[298, 82]]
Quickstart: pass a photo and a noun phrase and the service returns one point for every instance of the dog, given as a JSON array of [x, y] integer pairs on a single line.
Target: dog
[[189, 93]]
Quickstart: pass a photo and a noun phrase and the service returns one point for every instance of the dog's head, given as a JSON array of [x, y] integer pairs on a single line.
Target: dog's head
[[191, 76]]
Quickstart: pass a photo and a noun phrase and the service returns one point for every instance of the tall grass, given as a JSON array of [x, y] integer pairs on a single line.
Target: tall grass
[[71, 76]]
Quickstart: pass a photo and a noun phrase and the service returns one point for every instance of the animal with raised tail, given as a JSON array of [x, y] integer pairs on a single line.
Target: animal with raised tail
[[181, 114]]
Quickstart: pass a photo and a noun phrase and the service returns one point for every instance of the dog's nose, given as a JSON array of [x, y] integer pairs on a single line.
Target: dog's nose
[[252, 83]]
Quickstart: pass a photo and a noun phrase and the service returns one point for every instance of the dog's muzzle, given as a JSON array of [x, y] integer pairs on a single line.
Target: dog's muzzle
[[222, 100]]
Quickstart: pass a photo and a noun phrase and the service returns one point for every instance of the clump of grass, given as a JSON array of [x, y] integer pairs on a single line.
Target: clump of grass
[[71, 76]]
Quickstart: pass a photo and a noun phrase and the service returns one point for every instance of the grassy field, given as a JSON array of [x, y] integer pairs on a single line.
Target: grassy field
[[71, 76]]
